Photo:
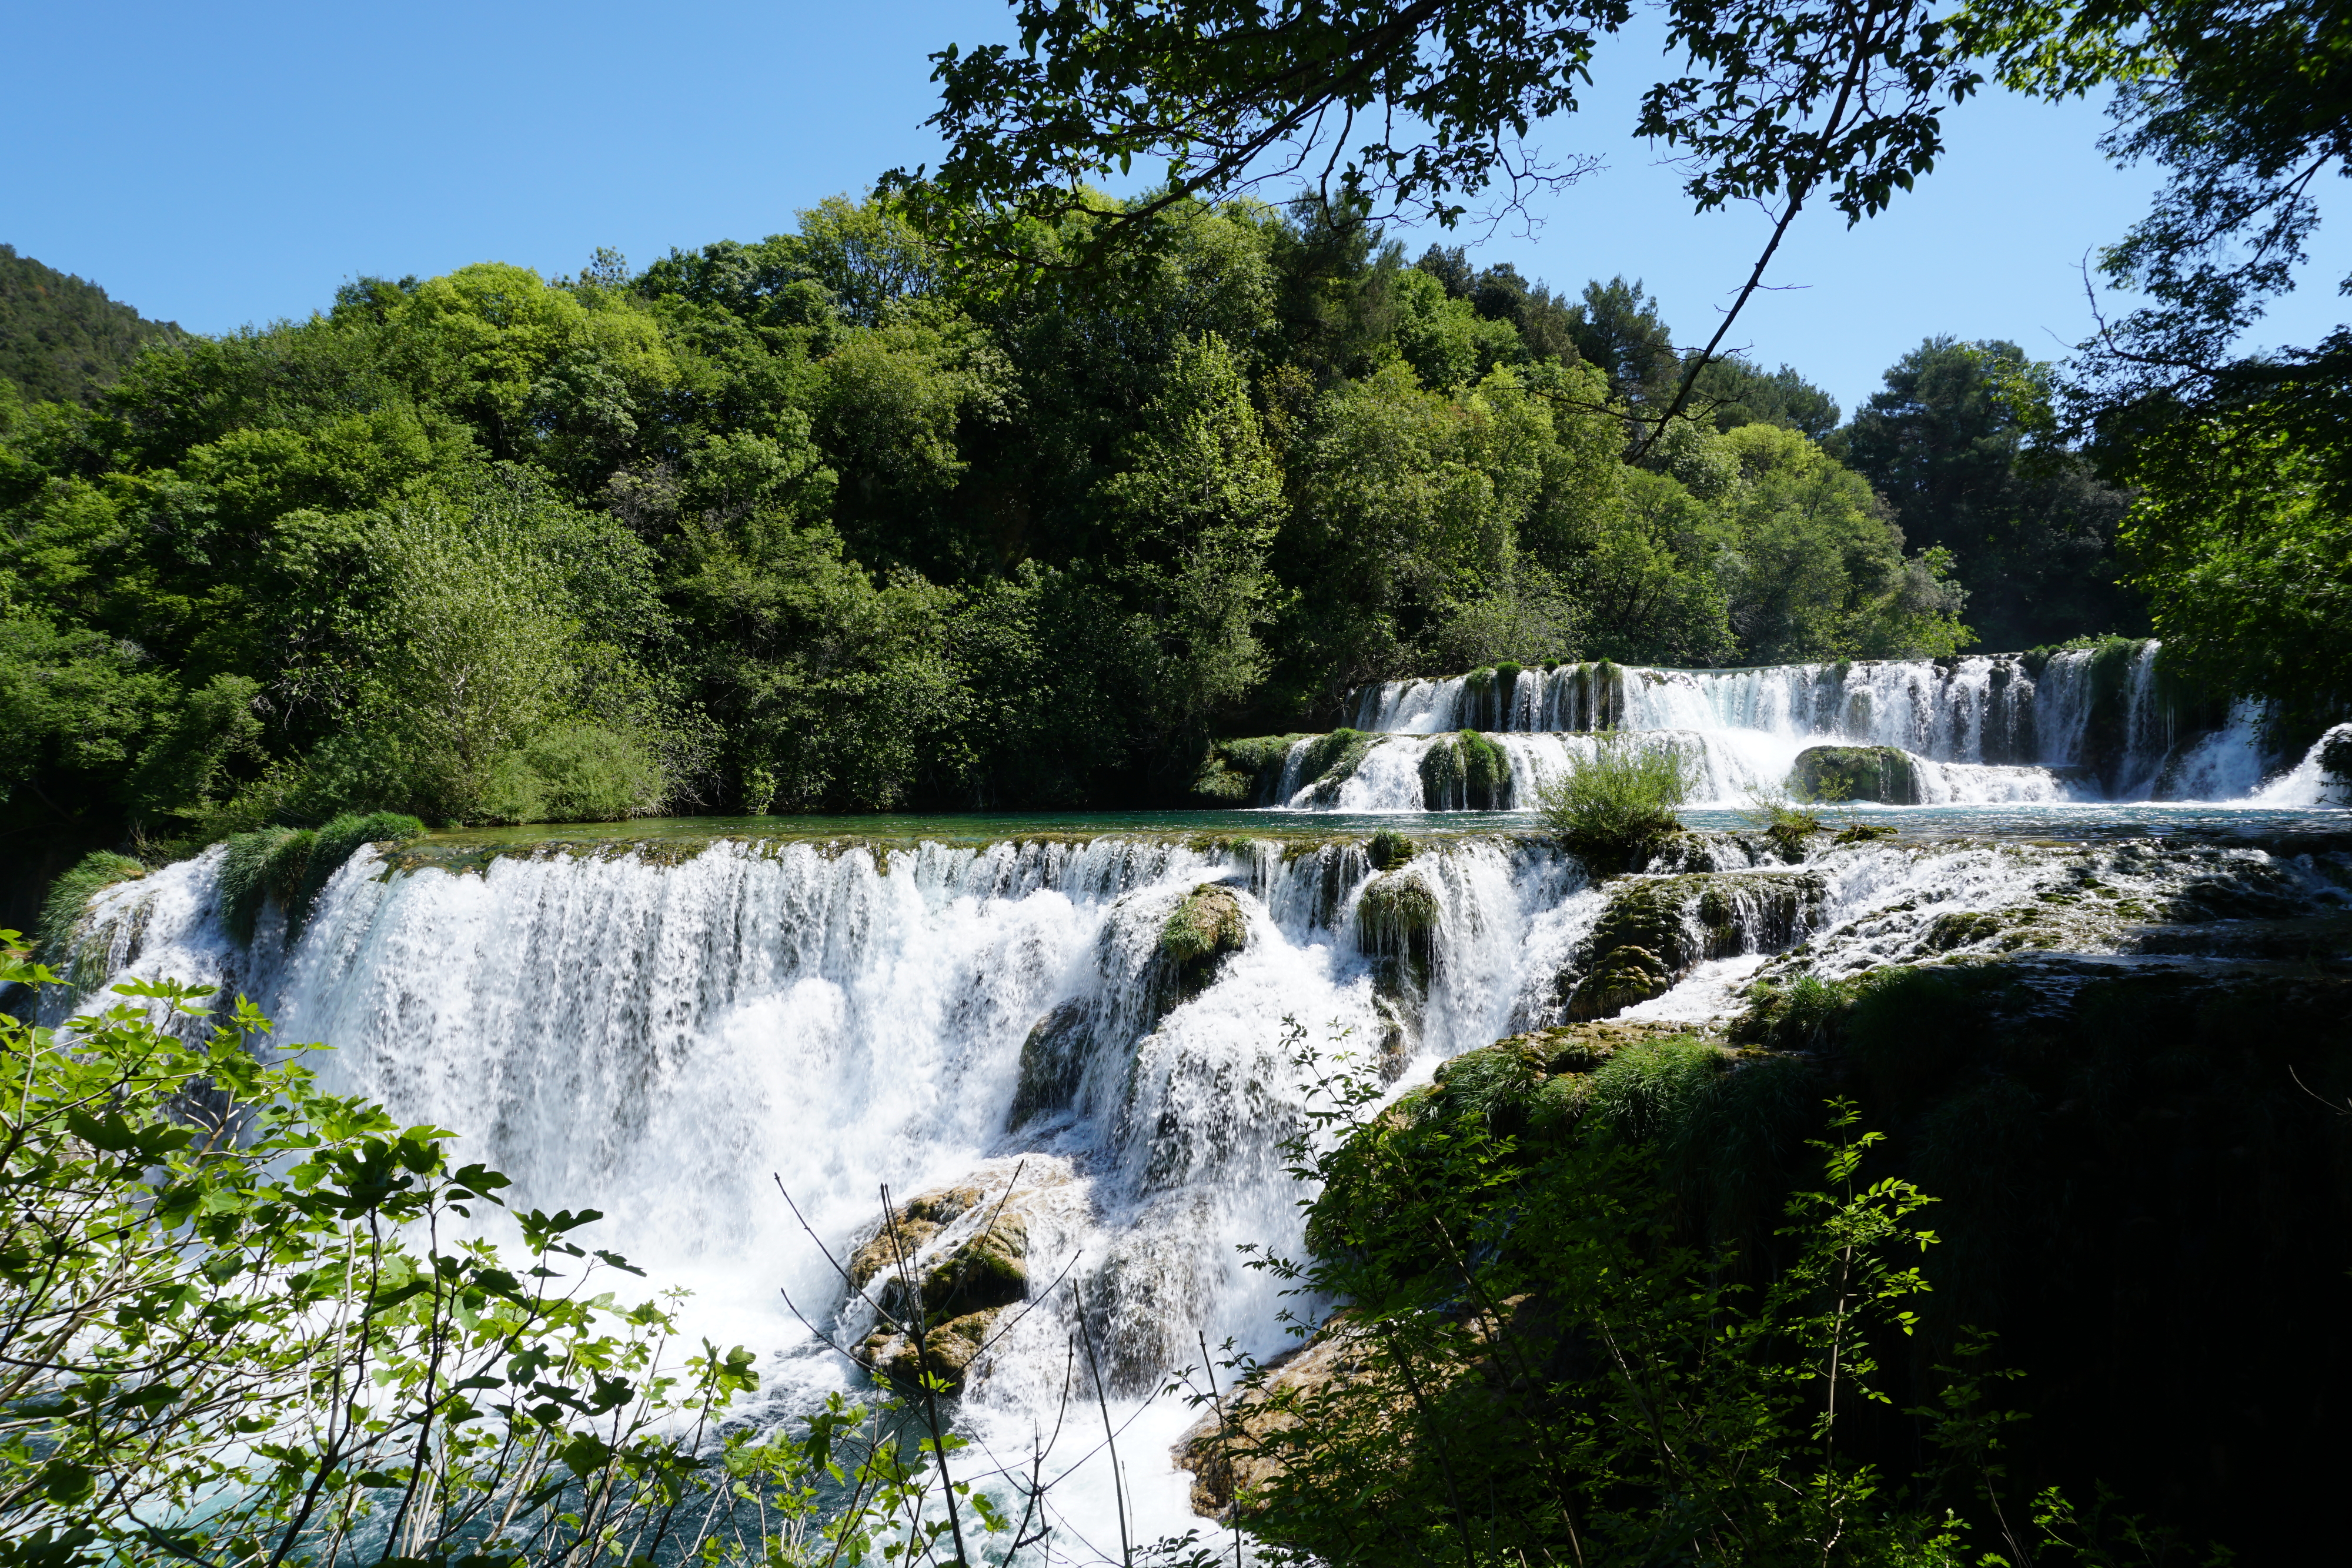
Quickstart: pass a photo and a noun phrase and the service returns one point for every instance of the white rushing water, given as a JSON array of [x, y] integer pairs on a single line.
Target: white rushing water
[[661, 1037], [1983, 730]]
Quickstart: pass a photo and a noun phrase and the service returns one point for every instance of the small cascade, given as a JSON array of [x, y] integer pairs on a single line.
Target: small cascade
[[2086, 724]]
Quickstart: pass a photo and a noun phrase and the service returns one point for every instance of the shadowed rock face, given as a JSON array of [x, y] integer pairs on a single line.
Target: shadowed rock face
[[1880, 773]]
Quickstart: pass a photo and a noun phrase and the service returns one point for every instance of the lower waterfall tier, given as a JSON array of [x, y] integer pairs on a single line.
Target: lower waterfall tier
[[1098, 1031]]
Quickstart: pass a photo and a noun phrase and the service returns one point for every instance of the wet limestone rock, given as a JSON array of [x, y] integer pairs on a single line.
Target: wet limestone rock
[[910, 1224], [1228, 1453], [1624, 978], [959, 1296], [1880, 773], [1052, 1061]]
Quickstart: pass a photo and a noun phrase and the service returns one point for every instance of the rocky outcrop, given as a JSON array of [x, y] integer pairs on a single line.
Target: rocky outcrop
[[1208, 924], [1236, 1450], [957, 1296], [1234, 773], [1879, 773], [1465, 773], [1656, 929]]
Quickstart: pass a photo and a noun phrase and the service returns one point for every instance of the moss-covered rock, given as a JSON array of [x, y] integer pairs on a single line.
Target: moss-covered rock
[[1396, 917], [1622, 978], [907, 1229], [1465, 773], [1234, 773], [1389, 850], [1208, 924], [1331, 760], [66, 915], [1666, 925], [1881, 773], [961, 1294]]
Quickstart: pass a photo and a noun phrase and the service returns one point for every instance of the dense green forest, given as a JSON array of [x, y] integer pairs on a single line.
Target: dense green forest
[[61, 338], [816, 523]]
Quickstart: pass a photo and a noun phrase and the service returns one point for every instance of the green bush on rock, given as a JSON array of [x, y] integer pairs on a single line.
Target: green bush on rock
[[1617, 806]]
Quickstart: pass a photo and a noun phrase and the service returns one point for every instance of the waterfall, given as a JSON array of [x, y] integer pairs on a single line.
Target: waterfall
[[659, 1032], [2084, 723]]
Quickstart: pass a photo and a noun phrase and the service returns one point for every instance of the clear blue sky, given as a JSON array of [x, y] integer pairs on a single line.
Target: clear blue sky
[[223, 164]]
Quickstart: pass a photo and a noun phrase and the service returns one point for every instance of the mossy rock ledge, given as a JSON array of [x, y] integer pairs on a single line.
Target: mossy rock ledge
[[1884, 774], [1656, 929]]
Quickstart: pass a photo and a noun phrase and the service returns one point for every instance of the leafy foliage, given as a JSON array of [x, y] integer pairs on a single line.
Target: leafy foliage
[[61, 338], [1531, 1361], [239, 1332], [1618, 804]]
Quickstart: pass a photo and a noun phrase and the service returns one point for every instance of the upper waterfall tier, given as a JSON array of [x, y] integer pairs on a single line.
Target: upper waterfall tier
[[2106, 716]]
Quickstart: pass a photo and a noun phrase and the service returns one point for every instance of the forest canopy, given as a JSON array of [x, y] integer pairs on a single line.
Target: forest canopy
[[820, 522]]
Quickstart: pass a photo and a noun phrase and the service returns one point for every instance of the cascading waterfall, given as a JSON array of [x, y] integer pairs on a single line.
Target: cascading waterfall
[[2080, 725], [657, 1033]]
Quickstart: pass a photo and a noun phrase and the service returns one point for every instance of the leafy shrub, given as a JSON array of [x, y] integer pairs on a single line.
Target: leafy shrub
[[1786, 825], [1618, 805], [225, 1253], [583, 775]]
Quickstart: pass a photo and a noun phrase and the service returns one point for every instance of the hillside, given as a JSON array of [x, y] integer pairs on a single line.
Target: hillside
[[61, 338]]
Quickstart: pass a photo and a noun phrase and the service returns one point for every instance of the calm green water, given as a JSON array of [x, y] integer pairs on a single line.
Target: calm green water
[[2085, 823]]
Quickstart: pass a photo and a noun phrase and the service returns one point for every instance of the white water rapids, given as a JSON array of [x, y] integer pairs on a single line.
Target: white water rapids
[[660, 1035]]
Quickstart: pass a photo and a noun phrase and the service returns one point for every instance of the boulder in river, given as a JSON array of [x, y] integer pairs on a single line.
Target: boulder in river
[[1881, 773]]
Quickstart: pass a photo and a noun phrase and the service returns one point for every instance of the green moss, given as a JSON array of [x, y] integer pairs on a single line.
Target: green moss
[[1242, 772], [1208, 922], [1389, 850], [246, 874], [331, 848], [1465, 771], [992, 1269], [65, 913], [1396, 917], [1332, 760], [1881, 773]]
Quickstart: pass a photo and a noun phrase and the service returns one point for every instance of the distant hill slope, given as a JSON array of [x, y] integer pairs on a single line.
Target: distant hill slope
[[62, 339]]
